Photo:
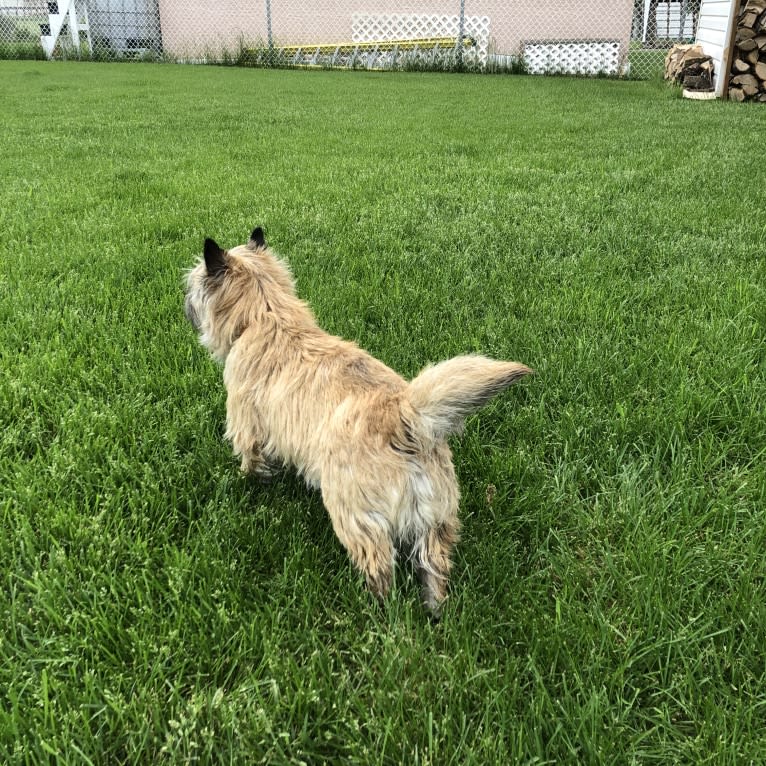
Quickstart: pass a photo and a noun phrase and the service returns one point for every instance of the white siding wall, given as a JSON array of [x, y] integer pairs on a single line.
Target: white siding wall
[[713, 33]]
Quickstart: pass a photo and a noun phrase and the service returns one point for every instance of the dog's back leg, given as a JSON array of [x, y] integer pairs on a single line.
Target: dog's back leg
[[432, 555], [367, 539]]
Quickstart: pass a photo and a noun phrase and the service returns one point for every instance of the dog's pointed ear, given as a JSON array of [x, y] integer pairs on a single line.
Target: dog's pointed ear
[[215, 258], [257, 240]]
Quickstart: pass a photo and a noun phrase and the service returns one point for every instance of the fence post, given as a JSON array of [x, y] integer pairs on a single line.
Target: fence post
[[269, 37], [461, 35], [684, 14]]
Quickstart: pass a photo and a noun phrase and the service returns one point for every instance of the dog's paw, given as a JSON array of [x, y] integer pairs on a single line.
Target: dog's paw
[[433, 606], [263, 473], [258, 468]]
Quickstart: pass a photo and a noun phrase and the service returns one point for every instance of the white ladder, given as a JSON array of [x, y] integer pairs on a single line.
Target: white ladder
[[58, 13]]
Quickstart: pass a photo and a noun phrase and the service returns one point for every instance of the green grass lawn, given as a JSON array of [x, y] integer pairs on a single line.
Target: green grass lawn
[[609, 596]]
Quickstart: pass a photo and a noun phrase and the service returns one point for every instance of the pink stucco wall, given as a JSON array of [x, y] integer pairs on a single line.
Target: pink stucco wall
[[189, 28]]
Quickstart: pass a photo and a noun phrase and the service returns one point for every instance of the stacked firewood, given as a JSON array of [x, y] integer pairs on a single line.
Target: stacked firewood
[[689, 66], [748, 69]]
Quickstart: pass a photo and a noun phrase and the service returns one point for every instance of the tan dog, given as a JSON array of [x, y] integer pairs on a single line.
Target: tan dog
[[375, 445]]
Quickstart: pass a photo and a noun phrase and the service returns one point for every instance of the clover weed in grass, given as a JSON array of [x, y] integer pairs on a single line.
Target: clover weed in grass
[[608, 596]]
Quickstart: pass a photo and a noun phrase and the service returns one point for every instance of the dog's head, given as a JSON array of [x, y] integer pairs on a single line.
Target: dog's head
[[231, 290]]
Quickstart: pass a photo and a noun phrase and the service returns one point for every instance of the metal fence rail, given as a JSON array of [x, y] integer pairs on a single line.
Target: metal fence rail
[[612, 37]]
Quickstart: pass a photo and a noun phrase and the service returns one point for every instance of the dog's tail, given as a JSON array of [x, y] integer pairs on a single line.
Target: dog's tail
[[444, 394]]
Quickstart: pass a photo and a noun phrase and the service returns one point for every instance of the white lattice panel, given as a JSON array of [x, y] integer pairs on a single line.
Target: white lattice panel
[[573, 57], [369, 27]]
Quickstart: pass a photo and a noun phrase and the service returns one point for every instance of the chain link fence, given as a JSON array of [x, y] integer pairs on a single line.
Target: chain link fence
[[625, 38]]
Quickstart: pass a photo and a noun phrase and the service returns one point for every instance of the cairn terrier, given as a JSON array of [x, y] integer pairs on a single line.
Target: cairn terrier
[[372, 443]]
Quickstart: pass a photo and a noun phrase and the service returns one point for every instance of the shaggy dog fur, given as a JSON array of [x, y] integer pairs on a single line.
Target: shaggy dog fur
[[374, 444]]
